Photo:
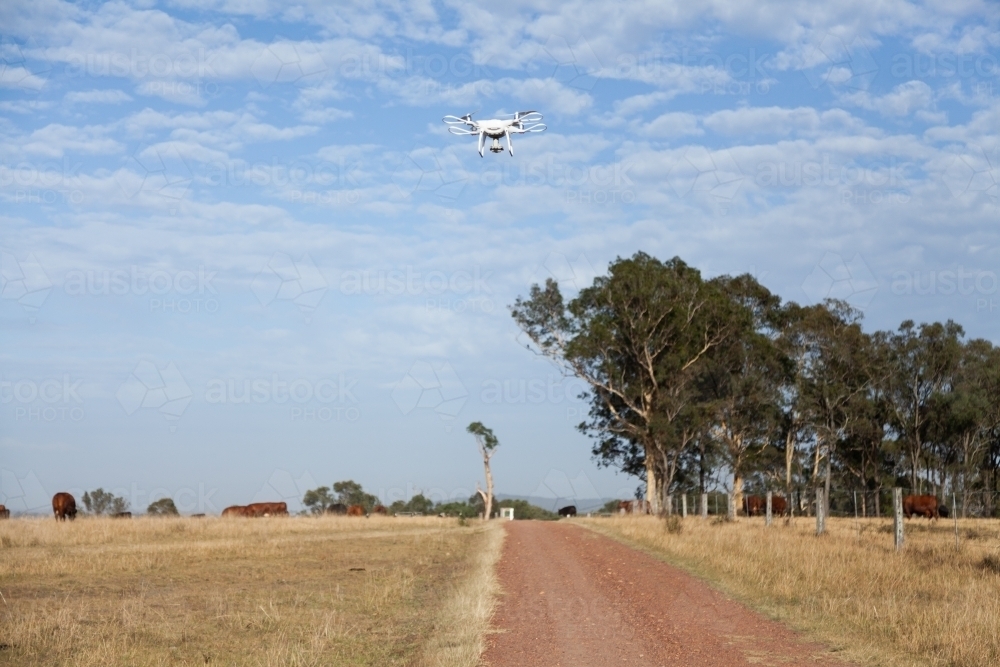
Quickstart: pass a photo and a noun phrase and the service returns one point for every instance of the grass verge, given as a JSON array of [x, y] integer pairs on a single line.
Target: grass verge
[[932, 604], [458, 640], [278, 591]]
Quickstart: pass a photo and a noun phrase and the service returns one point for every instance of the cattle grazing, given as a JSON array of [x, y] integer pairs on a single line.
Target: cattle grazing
[[355, 510], [64, 506], [380, 509], [634, 507], [569, 510], [757, 505], [267, 509], [235, 510], [337, 508], [944, 511], [921, 505], [121, 515], [754, 505], [4, 512]]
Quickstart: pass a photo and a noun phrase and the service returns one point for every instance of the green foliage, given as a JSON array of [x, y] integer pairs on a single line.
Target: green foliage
[[162, 507], [418, 504], [484, 436], [318, 500], [610, 506], [692, 380], [525, 510], [350, 493], [459, 508], [100, 501]]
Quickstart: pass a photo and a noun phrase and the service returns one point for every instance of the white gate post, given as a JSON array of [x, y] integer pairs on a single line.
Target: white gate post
[[767, 519], [820, 511], [684, 506], [897, 516]]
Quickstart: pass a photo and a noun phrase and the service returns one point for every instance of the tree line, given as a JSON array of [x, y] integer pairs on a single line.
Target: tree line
[[697, 383]]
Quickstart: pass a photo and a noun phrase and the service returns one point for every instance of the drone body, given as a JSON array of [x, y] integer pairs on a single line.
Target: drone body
[[496, 129]]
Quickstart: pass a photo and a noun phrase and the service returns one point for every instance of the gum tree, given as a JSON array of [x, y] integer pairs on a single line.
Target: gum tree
[[636, 337], [487, 447]]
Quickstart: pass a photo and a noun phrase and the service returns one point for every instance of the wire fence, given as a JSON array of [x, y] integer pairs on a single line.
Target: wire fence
[[859, 503]]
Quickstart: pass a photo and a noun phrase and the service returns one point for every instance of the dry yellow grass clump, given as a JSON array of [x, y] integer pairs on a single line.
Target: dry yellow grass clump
[[931, 604], [276, 591]]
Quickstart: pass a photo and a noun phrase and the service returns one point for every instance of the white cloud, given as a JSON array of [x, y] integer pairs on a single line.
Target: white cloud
[[107, 96], [904, 100], [673, 124]]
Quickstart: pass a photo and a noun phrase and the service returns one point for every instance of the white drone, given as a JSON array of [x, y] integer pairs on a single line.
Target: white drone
[[521, 123]]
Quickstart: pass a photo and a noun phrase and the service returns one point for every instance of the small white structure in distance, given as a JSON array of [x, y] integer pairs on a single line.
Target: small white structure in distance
[[507, 513]]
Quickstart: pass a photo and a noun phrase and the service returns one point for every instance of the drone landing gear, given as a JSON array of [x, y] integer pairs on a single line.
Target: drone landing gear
[[496, 147]]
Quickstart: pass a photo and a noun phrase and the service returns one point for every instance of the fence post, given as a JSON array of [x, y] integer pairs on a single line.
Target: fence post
[[954, 513], [704, 506], [767, 517], [684, 506], [731, 506], [820, 511], [897, 516]]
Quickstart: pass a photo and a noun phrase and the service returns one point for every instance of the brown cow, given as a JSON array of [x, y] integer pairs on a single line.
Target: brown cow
[[379, 509], [4, 512], [757, 505], [921, 505], [64, 506], [235, 510], [267, 509], [355, 510], [754, 505]]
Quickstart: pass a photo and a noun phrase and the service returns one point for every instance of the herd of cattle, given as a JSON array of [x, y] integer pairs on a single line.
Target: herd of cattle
[[913, 505], [64, 507]]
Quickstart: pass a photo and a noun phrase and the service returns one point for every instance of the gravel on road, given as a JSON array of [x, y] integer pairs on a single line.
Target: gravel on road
[[573, 598]]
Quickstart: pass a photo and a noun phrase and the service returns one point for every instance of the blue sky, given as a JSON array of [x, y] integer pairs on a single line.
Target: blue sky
[[242, 257]]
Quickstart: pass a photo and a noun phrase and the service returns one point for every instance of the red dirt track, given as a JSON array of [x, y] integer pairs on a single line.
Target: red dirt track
[[573, 598]]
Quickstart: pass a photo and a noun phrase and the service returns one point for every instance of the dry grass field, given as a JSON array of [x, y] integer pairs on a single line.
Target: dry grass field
[[931, 604], [278, 591]]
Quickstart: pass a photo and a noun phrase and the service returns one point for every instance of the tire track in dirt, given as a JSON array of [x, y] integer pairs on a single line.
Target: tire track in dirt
[[573, 598]]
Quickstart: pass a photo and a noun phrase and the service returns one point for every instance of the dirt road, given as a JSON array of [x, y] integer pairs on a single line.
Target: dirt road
[[573, 598]]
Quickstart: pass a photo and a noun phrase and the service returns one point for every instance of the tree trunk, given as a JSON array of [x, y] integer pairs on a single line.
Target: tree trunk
[[701, 466], [738, 492], [789, 458], [488, 498], [826, 490], [652, 488]]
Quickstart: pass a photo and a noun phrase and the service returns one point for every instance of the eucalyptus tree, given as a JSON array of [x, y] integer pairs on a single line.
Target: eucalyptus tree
[[831, 378], [488, 444], [924, 360], [636, 336], [743, 378], [961, 421]]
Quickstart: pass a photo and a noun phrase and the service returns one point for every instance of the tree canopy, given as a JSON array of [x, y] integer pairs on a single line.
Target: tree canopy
[[693, 382]]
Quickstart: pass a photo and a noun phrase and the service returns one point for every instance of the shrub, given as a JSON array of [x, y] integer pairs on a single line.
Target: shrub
[[162, 507]]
